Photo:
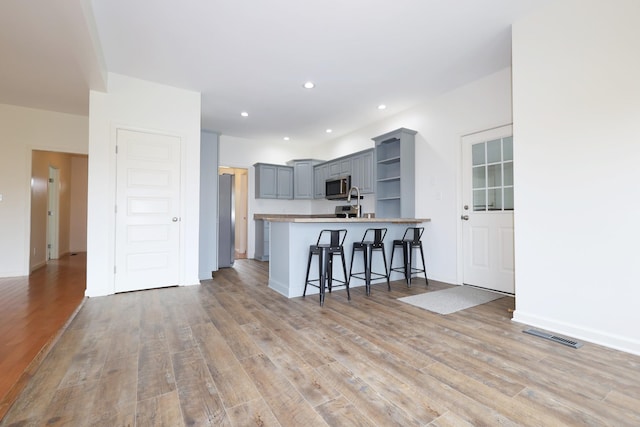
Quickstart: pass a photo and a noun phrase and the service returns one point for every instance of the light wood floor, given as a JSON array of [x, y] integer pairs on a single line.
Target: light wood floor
[[32, 311], [233, 352]]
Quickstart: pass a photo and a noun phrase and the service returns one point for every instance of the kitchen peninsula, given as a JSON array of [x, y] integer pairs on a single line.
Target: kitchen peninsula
[[291, 235]]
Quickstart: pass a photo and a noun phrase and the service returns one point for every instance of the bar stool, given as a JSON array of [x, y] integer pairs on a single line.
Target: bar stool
[[410, 240], [371, 241], [330, 243]]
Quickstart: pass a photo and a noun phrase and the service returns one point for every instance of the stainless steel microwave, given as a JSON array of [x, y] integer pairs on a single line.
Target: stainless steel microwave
[[337, 188]]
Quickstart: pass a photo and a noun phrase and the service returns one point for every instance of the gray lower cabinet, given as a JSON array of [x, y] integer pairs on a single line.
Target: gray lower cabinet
[[273, 181], [262, 240]]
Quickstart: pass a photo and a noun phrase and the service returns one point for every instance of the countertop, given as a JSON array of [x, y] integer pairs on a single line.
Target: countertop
[[329, 218]]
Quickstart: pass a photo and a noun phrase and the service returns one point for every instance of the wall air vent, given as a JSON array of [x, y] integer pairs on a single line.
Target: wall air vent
[[564, 341]]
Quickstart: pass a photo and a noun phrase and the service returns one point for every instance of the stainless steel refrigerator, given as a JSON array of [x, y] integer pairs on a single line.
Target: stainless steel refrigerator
[[226, 220]]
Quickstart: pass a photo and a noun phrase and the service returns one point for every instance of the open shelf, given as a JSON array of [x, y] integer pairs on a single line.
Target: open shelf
[[395, 174], [388, 149], [389, 160], [391, 178]]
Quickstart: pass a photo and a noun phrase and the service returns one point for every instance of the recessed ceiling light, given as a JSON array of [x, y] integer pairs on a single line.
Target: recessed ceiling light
[[244, 114], [329, 130], [286, 138], [309, 85], [381, 107]]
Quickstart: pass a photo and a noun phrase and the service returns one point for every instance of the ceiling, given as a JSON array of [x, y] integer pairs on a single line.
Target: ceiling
[[254, 56]]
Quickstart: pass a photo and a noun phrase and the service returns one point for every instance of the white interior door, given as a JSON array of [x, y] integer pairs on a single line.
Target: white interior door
[[487, 211], [147, 211], [53, 224]]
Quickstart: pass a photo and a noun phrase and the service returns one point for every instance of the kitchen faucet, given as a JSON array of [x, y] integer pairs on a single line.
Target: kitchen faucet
[[358, 214]]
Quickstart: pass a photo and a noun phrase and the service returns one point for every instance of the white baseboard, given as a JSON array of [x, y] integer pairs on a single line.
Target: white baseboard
[[281, 288], [616, 342], [10, 274], [37, 266]]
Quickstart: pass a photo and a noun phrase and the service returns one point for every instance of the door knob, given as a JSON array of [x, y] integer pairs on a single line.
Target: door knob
[[465, 217], [174, 219]]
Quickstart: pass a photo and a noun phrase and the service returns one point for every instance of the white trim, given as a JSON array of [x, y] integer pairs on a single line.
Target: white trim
[[594, 336]]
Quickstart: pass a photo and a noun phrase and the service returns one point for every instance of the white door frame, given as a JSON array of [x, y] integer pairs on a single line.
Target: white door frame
[[460, 201]]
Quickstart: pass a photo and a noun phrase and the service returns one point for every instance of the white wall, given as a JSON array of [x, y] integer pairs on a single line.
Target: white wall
[[21, 131], [78, 214], [140, 105], [440, 124], [576, 103]]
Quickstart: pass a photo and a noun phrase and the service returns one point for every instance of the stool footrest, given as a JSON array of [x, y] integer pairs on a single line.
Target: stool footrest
[[340, 283], [413, 270], [373, 273]]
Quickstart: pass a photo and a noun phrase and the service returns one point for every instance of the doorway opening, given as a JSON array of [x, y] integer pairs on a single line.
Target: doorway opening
[[58, 214], [239, 210]]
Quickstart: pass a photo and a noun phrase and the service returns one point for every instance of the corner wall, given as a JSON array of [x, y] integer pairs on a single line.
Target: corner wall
[[78, 216], [576, 100], [208, 252], [21, 131]]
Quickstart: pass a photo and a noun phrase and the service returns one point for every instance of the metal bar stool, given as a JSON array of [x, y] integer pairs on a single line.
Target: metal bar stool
[[371, 241], [410, 240], [330, 243]]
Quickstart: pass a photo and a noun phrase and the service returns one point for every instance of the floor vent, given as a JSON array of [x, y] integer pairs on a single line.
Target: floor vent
[[560, 340]]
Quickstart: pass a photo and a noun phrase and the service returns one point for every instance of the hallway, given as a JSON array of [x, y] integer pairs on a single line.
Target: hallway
[[33, 310]]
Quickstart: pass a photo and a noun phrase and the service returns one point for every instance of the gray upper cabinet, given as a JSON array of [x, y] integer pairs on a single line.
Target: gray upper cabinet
[[303, 178], [363, 171], [339, 167], [395, 174], [334, 170], [273, 181], [359, 165], [320, 175], [285, 182]]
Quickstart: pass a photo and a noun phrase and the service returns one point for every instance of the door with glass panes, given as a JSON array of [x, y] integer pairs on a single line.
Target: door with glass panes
[[487, 209]]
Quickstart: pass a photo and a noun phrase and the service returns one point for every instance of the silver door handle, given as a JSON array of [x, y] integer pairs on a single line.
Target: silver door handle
[[174, 219], [465, 217]]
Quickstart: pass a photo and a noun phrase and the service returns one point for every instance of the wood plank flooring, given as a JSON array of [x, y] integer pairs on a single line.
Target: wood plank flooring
[[32, 311], [231, 352]]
